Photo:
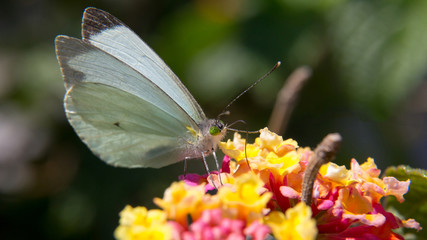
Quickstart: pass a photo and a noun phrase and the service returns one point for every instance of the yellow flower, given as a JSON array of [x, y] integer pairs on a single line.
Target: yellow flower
[[244, 200], [181, 199], [336, 174], [297, 224], [269, 153], [236, 148], [283, 165], [138, 223], [268, 140]]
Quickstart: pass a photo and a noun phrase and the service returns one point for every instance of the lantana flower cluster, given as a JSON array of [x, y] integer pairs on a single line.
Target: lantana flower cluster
[[258, 196]]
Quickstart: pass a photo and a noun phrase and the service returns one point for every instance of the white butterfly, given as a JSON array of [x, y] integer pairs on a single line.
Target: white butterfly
[[125, 103]]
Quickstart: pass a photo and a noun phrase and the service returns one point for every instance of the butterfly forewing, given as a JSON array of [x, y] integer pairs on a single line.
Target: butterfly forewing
[[108, 33], [123, 117]]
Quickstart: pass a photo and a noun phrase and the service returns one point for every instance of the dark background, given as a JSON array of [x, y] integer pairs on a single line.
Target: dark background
[[368, 59]]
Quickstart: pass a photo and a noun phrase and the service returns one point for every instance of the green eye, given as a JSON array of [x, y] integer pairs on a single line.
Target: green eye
[[214, 130]]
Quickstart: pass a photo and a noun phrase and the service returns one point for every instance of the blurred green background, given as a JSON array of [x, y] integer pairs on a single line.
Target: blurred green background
[[368, 58]]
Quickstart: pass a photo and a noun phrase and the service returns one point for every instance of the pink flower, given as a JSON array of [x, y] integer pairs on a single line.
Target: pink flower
[[194, 179], [212, 226]]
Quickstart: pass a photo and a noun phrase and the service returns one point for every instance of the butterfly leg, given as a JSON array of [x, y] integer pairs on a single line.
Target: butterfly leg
[[217, 166], [185, 166], [207, 169]]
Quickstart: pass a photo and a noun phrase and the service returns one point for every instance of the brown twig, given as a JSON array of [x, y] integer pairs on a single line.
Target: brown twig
[[324, 153], [286, 99]]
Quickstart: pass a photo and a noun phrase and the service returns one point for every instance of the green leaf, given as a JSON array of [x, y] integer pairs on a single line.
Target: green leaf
[[415, 204]]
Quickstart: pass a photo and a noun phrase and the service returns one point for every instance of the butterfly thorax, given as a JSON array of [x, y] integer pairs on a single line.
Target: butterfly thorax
[[211, 132]]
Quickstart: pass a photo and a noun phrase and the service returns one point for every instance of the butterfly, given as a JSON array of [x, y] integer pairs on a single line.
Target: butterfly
[[125, 103]]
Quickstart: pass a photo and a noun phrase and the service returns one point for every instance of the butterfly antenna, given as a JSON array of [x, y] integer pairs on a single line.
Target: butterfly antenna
[[249, 88], [246, 155], [223, 113], [238, 130]]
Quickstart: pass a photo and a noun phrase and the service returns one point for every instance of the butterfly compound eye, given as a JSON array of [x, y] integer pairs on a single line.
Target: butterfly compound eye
[[214, 130]]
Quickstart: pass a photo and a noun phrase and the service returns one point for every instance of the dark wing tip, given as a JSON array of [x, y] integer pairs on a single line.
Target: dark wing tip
[[95, 21], [66, 49]]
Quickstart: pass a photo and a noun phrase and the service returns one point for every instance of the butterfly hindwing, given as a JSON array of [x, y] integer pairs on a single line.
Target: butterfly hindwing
[[121, 128]]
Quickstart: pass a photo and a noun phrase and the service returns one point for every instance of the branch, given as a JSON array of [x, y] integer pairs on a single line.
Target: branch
[[324, 153], [286, 99]]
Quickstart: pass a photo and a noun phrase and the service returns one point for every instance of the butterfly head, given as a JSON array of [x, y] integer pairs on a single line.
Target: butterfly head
[[217, 127], [212, 131]]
